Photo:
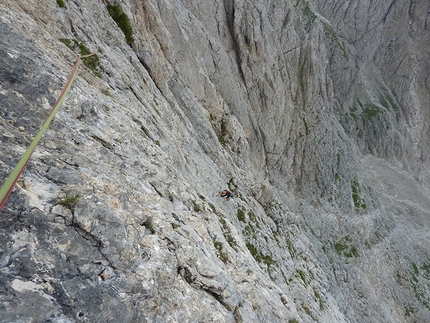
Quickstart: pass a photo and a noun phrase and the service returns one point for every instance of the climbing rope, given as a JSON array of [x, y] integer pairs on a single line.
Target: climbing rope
[[10, 182]]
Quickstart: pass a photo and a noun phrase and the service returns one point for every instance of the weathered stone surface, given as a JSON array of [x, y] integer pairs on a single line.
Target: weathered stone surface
[[313, 114]]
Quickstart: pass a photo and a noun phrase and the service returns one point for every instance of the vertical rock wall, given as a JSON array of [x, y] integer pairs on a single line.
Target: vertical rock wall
[[314, 114]]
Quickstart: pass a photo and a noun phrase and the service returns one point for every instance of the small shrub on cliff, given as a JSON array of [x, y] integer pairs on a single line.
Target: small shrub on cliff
[[149, 224], [196, 207], [67, 42], [122, 21], [241, 215], [221, 254], [222, 137], [308, 13], [254, 252], [175, 225], [92, 62], [70, 201], [61, 3]]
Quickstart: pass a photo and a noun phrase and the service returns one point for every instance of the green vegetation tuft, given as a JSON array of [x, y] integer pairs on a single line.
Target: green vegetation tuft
[[370, 111], [318, 298], [241, 215], [61, 3], [415, 268], [221, 254], [232, 187], [67, 42], [409, 310], [426, 269], [213, 208], [70, 201], [249, 230], [92, 62], [149, 224], [420, 285], [289, 244], [302, 275], [222, 136], [308, 13], [268, 260], [359, 203], [329, 31], [253, 251], [252, 217], [352, 252], [355, 196], [196, 208], [106, 92], [339, 247], [175, 225], [122, 21], [344, 247]]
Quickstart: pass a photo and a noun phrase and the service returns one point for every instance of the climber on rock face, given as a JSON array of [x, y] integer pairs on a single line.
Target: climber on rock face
[[226, 194]]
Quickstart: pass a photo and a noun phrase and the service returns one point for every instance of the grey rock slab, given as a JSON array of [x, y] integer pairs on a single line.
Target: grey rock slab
[[313, 114]]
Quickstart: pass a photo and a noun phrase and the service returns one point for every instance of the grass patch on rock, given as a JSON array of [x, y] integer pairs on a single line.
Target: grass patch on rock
[[70, 201], [92, 62], [241, 215], [359, 202], [221, 254], [61, 3], [346, 248], [122, 21]]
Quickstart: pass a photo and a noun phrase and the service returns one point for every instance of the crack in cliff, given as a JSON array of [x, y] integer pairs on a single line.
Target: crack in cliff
[[92, 239], [150, 73], [194, 281], [230, 19], [388, 11]]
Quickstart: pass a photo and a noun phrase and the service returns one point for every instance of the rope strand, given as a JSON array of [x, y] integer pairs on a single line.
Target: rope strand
[[10, 182]]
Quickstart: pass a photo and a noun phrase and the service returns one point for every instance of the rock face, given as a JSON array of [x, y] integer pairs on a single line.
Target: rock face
[[313, 114]]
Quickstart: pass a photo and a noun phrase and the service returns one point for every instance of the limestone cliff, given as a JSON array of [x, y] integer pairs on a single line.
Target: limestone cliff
[[314, 114]]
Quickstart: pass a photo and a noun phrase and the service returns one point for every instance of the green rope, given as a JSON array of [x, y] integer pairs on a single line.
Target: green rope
[[10, 182]]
